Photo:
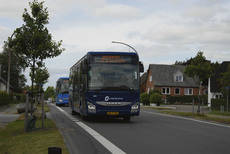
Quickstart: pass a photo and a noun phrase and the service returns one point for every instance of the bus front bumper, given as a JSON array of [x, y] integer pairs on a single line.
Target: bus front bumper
[[116, 113]]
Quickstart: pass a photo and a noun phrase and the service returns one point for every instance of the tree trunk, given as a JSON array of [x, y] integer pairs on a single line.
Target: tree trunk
[[32, 88]]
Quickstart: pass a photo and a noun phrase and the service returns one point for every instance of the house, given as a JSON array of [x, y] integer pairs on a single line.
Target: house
[[170, 80], [214, 87], [143, 82], [2, 84]]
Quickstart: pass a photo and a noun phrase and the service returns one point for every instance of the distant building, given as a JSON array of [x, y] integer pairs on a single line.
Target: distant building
[[143, 82], [170, 80]]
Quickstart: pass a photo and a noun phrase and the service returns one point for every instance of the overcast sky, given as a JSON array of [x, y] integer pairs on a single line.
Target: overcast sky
[[161, 31]]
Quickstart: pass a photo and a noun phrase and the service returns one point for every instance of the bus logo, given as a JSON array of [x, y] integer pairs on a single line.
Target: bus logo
[[106, 98]]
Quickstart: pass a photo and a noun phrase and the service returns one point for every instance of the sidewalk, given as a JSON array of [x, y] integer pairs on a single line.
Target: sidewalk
[[8, 114]]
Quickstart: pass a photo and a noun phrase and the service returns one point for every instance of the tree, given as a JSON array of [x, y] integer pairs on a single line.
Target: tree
[[41, 76], [50, 92], [17, 80], [32, 42], [199, 68], [225, 81]]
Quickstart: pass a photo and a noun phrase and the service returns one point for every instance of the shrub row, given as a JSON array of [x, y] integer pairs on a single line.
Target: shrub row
[[186, 99], [11, 98], [153, 97], [217, 103]]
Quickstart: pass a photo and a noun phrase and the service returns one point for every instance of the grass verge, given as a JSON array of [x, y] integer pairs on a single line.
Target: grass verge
[[13, 139], [199, 116], [156, 108], [220, 113], [46, 108]]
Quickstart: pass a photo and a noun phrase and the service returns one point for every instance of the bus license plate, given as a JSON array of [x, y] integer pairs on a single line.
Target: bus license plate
[[112, 113]]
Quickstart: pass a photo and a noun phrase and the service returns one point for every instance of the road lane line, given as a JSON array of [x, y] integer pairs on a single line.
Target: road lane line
[[106, 143], [200, 121]]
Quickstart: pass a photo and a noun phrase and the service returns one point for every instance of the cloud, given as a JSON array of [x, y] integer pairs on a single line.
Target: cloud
[[4, 33], [12, 9], [117, 11]]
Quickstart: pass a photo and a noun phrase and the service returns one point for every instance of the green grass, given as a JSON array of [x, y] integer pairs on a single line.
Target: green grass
[[13, 139], [46, 108], [199, 116], [157, 108], [220, 113]]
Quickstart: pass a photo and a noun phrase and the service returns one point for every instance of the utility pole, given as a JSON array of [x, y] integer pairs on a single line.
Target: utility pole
[[0, 71], [8, 73], [9, 62]]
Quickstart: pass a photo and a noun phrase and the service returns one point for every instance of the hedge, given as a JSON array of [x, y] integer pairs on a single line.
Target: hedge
[[144, 98], [11, 98], [186, 99], [156, 98], [217, 103]]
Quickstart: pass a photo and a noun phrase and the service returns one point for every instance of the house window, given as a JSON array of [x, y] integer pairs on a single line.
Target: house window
[[165, 91], [179, 78], [150, 78], [177, 91], [188, 91]]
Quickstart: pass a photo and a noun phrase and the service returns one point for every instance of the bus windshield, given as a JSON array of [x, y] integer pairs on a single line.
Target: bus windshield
[[63, 86], [113, 77]]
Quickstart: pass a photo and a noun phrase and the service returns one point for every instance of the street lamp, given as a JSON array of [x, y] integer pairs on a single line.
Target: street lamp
[[9, 61], [126, 45], [141, 66]]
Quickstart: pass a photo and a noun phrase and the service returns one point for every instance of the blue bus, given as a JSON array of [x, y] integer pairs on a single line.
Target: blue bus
[[106, 84], [62, 91]]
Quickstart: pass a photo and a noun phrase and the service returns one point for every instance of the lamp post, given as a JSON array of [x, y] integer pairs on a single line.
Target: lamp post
[[0, 71], [9, 62], [141, 67], [126, 45]]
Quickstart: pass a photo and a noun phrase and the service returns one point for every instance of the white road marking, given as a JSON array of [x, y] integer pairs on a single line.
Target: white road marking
[[178, 117], [106, 143]]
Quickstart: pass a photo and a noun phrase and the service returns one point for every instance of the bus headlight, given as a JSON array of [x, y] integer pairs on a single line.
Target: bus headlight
[[135, 107], [91, 107]]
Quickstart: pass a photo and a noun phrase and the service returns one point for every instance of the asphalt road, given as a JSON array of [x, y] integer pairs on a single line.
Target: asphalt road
[[148, 133]]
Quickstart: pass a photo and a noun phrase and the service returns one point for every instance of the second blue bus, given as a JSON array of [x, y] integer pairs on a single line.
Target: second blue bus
[[62, 91]]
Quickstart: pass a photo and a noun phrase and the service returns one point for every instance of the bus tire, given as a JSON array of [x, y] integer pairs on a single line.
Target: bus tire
[[83, 117], [73, 112], [126, 118]]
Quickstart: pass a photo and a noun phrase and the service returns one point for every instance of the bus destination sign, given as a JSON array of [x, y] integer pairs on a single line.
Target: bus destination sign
[[112, 59]]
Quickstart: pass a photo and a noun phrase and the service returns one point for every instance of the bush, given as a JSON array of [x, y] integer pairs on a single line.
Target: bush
[[11, 98], [155, 98], [217, 103], [186, 99], [144, 99]]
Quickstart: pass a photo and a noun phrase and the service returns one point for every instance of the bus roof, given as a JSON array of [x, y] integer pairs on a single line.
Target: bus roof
[[65, 78], [109, 52]]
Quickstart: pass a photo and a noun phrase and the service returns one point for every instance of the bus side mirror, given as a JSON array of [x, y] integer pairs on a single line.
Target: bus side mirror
[[141, 67]]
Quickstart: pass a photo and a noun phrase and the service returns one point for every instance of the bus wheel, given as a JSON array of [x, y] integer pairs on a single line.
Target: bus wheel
[[127, 118], [73, 112], [83, 117]]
